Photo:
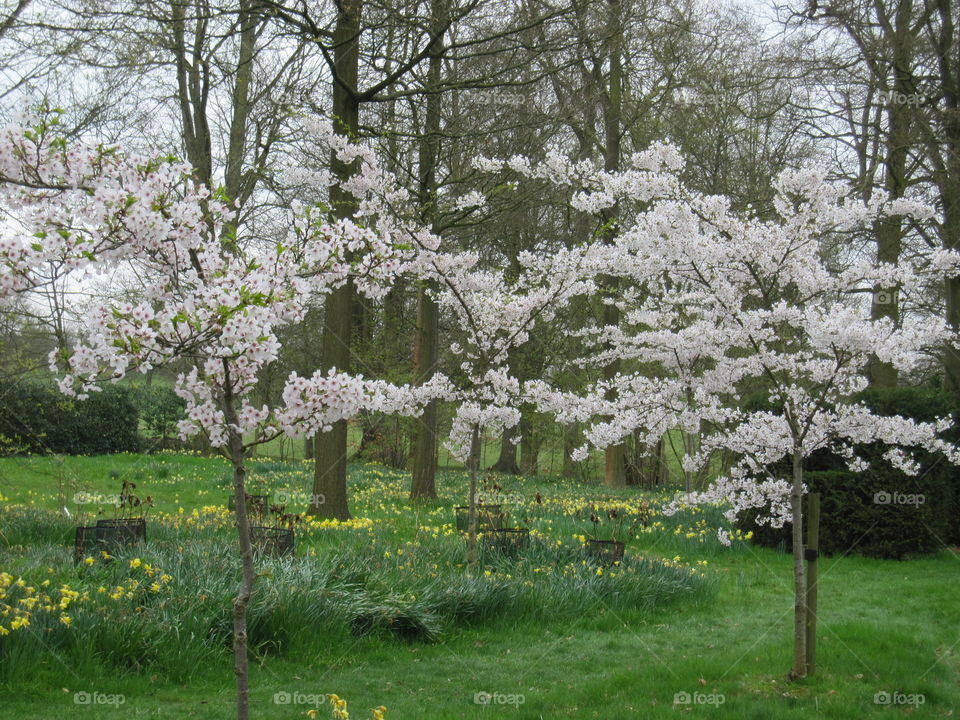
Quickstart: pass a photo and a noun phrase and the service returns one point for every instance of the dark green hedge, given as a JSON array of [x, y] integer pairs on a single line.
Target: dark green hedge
[[160, 409], [36, 418], [852, 520]]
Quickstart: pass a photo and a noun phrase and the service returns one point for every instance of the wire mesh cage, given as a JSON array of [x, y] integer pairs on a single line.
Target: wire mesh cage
[[272, 540], [506, 541], [489, 517], [257, 506], [605, 552], [121, 531], [84, 542]]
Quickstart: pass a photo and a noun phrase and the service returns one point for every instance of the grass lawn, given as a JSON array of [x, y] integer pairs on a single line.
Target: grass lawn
[[719, 631]]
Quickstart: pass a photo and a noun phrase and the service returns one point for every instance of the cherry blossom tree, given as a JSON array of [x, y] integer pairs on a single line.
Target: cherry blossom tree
[[219, 306], [496, 314], [768, 308], [221, 309], [719, 303]]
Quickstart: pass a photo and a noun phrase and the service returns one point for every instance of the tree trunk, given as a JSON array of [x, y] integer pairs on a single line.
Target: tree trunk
[[530, 444], [614, 473], [889, 230], [689, 449], [571, 438], [427, 338], [949, 186], [799, 669], [424, 484], [369, 434], [660, 476], [476, 453], [474, 464], [242, 600], [330, 465], [507, 462], [393, 354], [644, 468], [233, 175], [193, 91]]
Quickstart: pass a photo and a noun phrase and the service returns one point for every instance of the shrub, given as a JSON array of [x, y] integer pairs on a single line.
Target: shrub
[[36, 418], [871, 513]]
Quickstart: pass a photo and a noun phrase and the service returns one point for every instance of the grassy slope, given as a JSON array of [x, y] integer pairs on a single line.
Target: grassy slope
[[886, 626]]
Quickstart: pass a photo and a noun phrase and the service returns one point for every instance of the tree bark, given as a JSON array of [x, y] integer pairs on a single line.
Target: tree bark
[[889, 230], [799, 669], [330, 465], [689, 448], [234, 180], [427, 338], [507, 462], [193, 90], [948, 63], [614, 470], [425, 440], [530, 444], [571, 438], [474, 464], [242, 600]]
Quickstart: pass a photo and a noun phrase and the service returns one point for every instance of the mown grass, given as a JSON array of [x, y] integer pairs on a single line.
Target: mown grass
[[341, 619]]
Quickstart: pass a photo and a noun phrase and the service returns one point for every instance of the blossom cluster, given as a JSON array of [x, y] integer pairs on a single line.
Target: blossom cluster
[[77, 206]]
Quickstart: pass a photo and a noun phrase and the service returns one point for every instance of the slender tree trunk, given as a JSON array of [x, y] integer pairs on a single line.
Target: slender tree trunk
[[799, 669], [242, 600], [571, 438], [659, 466], [474, 462], [193, 89], [330, 465], [689, 448], [393, 354], [951, 234], [369, 434], [234, 179]]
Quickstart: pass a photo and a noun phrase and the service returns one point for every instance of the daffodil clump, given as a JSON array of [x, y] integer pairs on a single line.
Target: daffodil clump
[[338, 710], [22, 601]]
